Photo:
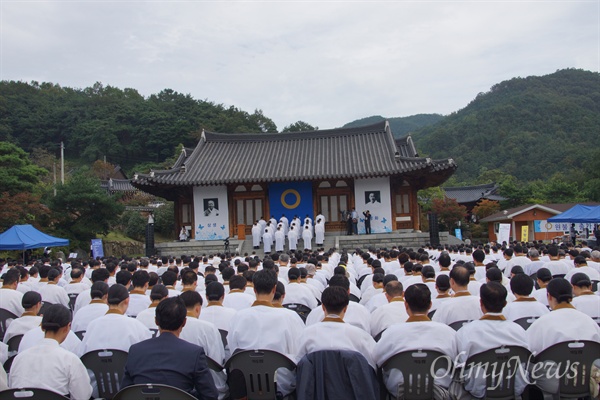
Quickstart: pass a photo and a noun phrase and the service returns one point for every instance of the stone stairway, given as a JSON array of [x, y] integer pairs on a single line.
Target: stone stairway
[[405, 238]]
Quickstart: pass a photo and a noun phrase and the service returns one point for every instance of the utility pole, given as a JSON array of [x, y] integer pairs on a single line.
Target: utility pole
[[54, 171], [62, 163]]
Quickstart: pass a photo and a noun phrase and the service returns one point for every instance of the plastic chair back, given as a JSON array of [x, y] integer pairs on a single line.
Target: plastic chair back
[[458, 324], [72, 299], [30, 394], [300, 309], [80, 334], [525, 322], [223, 333], [5, 318], [108, 367], [151, 391], [258, 369], [13, 345], [500, 367], [572, 362], [416, 366]]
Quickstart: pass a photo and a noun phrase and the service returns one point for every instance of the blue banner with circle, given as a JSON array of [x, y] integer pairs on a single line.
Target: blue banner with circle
[[290, 198]]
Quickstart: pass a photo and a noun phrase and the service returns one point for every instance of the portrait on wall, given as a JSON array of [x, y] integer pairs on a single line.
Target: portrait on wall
[[373, 197], [211, 207]]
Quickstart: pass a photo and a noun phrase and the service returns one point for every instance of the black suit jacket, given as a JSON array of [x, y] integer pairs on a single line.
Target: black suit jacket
[[171, 361]]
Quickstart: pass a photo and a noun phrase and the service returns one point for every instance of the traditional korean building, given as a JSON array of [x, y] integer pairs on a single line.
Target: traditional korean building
[[228, 181]]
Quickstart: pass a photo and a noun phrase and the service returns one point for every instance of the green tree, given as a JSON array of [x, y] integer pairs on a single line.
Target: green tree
[[82, 209], [164, 219], [17, 172], [449, 211], [299, 126]]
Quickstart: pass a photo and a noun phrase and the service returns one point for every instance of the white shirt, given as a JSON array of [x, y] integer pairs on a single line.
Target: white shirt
[[83, 299], [113, 331], [561, 325], [356, 315], [586, 303], [10, 300], [36, 335], [388, 314], [54, 294], [265, 327], [21, 326], [589, 271], [137, 303], [460, 308], [238, 300], [220, 316], [76, 287], [524, 308], [300, 294], [147, 317], [48, 366], [87, 314], [332, 335]]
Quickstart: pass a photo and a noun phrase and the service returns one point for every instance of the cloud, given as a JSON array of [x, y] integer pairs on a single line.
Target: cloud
[[326, 63]]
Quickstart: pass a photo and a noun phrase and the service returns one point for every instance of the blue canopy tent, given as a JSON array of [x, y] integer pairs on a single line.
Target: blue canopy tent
[[577, 213], [24, 237]]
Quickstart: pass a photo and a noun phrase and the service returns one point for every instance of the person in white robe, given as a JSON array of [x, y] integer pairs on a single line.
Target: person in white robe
[[585, 300], [114, 330], [273, 222], [286, 224], [356, 314], [581, 266], [267, 241], [524, 305], [394, 312], [298, 293], [138, 299], [10, 297], [236, 298], [214, 311], [263, 326], [47, 365], [77, 284], [463, 306], [84, 298], [307, 237], [96, 309], [319, 232], [417, 333], [32, 303], [332, 333], [279, 240], [564, 323], [206, 335], [292, 238], [492, 330], [147, 316], [256, 235]]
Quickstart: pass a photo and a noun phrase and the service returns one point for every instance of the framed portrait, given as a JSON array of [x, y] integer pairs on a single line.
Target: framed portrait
[[372, 197], [211, 207]]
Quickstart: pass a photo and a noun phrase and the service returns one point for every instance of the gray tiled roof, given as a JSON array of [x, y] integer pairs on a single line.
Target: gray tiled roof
[[118, 185], [361, 152], [470, 194]]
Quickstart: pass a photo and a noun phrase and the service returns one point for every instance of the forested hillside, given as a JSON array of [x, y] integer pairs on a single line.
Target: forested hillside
[[530, 128], [401, 126], [117, 123]]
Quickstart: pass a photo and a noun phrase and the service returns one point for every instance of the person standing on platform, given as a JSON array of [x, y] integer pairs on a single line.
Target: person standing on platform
[[307, 237], [368, 217], [293, 237], [279, 240], [267, 241], [256, 235], [319, 232]]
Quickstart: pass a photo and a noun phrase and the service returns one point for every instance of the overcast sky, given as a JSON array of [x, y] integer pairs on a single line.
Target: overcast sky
[[323, 62]]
